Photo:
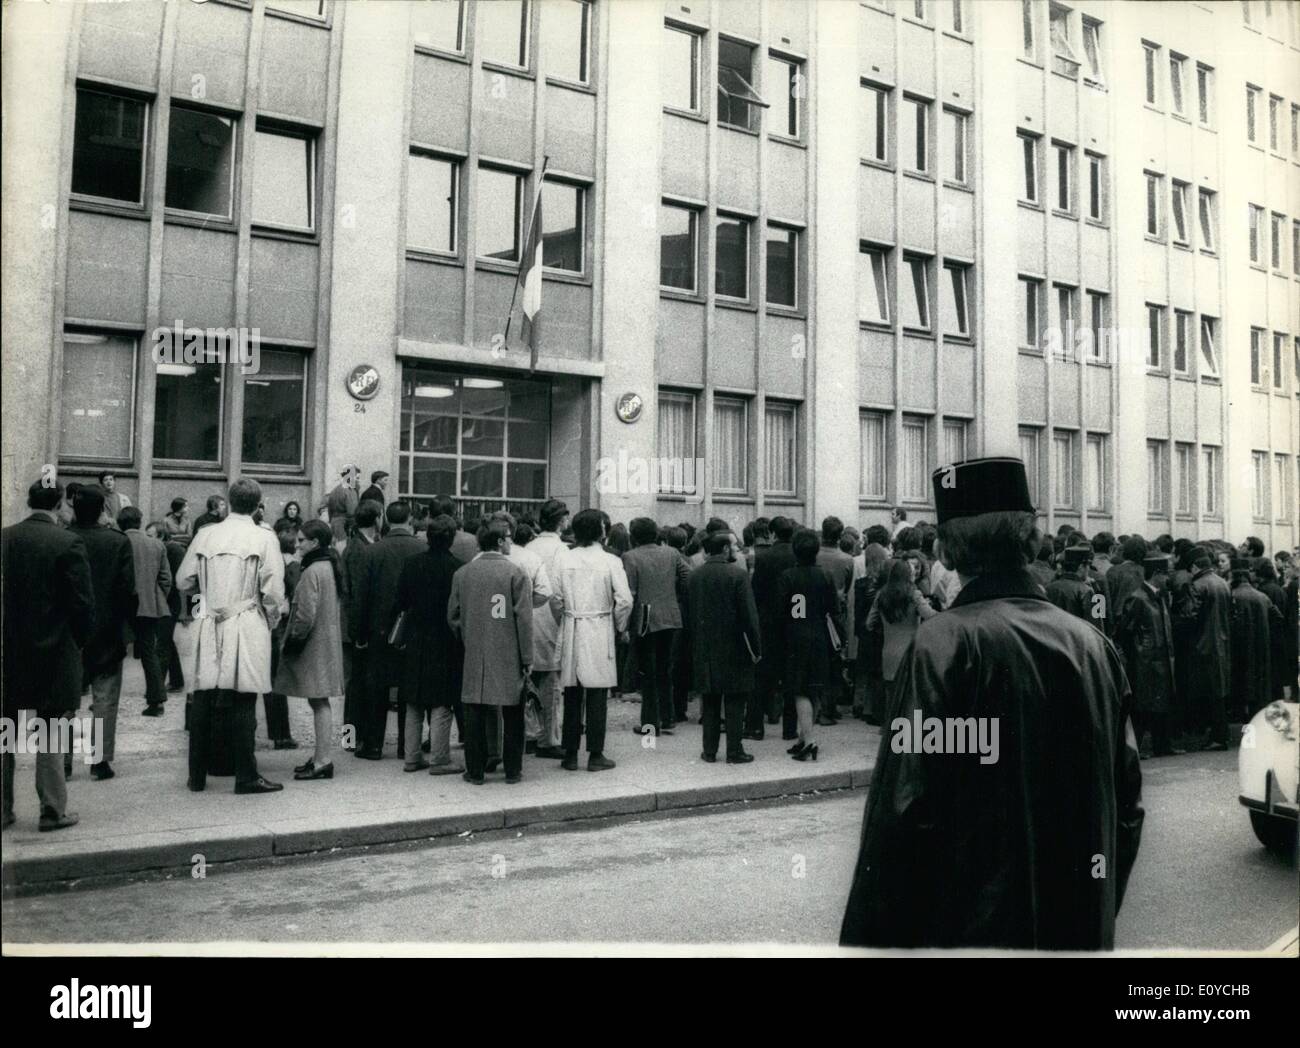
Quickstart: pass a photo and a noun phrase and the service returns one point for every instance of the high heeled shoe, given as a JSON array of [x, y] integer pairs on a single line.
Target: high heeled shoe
[[808, 753], [798, 747], [323, 771]]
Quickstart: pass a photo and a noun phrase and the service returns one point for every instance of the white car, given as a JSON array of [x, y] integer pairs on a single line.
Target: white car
[[1268, 764]]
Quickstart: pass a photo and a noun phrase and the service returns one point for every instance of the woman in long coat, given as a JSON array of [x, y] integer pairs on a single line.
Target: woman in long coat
[[430, 680], [311, 662]]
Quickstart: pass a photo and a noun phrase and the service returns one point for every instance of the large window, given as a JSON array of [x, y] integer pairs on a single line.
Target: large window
[[1029, 38], [1178, 202], [730, 445], [1210, 499], [1031, 292], [284, 178], [731, 243], [785, 88], [681, 68], [1029, 453], [873, 428], [500, 204], [676, 443], [1209, 346], [1279, 356], [954, 440], [1205, 95], [914, 484], [1185, 480], [1282, 500], [738, 102], [1259, 485], [1182, 342], [1157, 478], [1207, 213], [1063, 467], [187, 410], [782, 266], [916, 134], [1256, 356], [1252, 110], [433, 188], [1094, 472], [1177, 78], [1155, 336], [1065, 59], [502, 36], [1155, 205], [873, 285], [1151, 58], [1067, 322], [1096, 187], [1256, 234], [565, 36], [201, 162], [678, 247], [780, 441], [955, 301], [1029, 165], [956, 125], [1098, 326], [98, 396], [108, 147], [1276, 224], [875, 122], [439, 24], [1274, 123], [474, 437], [916, 295], [1064, 155], [564, 207], [275, 410], [1092, 50]]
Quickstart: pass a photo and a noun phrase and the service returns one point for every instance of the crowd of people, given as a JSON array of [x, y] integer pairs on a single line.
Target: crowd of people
[[518, 629]]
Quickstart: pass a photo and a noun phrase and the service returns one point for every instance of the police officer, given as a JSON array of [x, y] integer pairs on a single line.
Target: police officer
[[1071, 590], [1144, 634], [1026, 843]]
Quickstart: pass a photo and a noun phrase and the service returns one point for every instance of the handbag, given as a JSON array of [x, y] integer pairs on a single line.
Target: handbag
[[397, 635]]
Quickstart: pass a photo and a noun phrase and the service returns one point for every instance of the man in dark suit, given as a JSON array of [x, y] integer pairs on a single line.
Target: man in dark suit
[[770, 563], [657, 576], [49, 614], [112, 577], [722, 609], [365, 533], [175, 544], [378, 482], [376, 601], [153, 583]]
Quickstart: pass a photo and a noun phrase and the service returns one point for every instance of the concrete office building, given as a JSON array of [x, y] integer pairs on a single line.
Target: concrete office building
[[818, 247]]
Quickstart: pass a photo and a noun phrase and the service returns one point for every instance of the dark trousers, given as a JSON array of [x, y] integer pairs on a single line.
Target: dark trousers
[[1214, 717], [681, 673], [146, 650], [171, 657], [654, 656], [243, 715], [277, 716], [733, 703], [1158, 725], [574, 700], [476, 743], [374, 715], [767, 681], [789, 717]]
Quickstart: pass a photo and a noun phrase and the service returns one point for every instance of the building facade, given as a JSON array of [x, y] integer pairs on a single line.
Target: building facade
[[797, 254]]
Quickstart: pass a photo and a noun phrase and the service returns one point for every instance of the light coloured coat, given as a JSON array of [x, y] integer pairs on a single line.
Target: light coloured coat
[[238, 571], [592, 594], [316, 670], [546, 631], [491, 611]]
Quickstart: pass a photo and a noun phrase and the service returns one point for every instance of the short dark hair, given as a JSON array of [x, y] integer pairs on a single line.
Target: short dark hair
[[245, 494], [878, 534], [902, 513], [1265, 570], [106, 473], [588, 527], [762, 528], [782, 529], [1254, 545], [179, 504], [43, 496], [551, 514], [908, 538], [317, 531], [397, 512], [644, 531], [378, 475], [214, 501], [832, 529], [716, 542], [1135, 548], [1164, 543], [716, 524], [1201, 556], [129, 517], [367, 514], [492, 534], [805, 545], [747, 535], [675, 537], [990, 543], [440, 532], [443, 505], [88, 504], [1102, 542], [524, 533]]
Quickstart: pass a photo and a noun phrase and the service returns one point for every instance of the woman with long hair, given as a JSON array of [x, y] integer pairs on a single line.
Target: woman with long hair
[[292, 514], [311, 661], [897, 611]]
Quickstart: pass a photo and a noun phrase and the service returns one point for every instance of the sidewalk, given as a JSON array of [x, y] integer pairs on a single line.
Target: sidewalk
[[145, 818]]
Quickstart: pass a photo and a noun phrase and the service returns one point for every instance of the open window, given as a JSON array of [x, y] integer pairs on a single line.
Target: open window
[[738, 102]]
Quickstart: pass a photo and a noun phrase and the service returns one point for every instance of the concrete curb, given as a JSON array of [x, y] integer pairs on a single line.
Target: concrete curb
[[175, 849]]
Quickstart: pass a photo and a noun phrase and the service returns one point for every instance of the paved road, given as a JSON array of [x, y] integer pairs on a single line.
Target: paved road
[[752, 874]]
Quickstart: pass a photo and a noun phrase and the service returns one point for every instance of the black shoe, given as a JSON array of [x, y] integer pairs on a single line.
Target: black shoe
[[569, 764], [492, 765], [325, 771], [195, 788], [741, 758], [756, 736], [421, 766], [550, 752], [310, 763], [473, 780], [796, 748], [789, 736], [512, 779], [102, 770], [153, 711], [666, 731], [286, 744], [58, 822], [258, 785], [808, 753], [599, 762], [367, 754], [709, 758], [530, 746]]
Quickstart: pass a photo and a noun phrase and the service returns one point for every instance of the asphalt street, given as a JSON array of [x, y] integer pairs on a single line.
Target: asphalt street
[[745, 874]]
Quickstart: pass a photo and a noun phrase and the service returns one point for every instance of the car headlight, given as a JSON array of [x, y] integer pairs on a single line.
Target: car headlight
[[1280, 720]]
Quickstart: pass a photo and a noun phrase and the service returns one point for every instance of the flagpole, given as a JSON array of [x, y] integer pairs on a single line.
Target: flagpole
[[510, 315]]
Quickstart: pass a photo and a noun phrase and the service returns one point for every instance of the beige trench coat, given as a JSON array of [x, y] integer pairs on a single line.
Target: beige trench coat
[[238, 571], [546, 631], [591, 591]]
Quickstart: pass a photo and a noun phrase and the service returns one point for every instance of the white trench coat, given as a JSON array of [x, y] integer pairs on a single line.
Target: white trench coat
[[591, 590]]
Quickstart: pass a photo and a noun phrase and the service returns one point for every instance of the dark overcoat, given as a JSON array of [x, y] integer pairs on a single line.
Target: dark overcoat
[[1208, 672], [375, 608], [490, 609], [724, 617], [112, 577], [805, 655], [770, 563], [49, 614], [1144, 634], [1032, 850], [1277, 650], [1252, 669], [1069, 592], [434, 656], [1121, 580]]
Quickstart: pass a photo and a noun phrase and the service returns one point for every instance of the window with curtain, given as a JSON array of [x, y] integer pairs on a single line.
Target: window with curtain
[[98, 396], [730, 446], [1155, 335], [1098, 332], [1185, 466], [1259, 484], [1210, 502], [1256, 356], [779, 440], [1030, 290], [564, 208], [1156, 478], [676, 442], [914, 485], [1029, 454], [284, 178], [1063, 463], [1182, 342], [873, 426], [1029, 158], [1281, 477], [954, 440], [916, 133], [731, 247], [1206, 212], [1095, 472]]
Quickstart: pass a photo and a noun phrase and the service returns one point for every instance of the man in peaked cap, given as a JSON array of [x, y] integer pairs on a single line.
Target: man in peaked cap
[[1144, 633], [1025, 838], [1072, 591]]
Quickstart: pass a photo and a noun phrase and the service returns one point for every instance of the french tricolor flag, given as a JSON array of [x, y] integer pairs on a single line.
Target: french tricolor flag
[[530, 274]]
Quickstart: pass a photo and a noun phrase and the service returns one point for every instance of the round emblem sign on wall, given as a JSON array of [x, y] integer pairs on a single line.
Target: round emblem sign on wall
[[363, 381], [628, 407]]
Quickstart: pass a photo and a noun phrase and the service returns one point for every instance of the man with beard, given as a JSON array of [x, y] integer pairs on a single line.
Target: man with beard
[[1030, 849]]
